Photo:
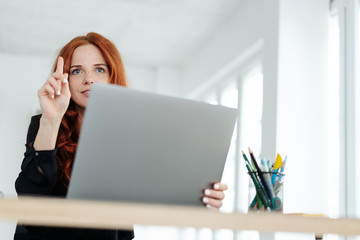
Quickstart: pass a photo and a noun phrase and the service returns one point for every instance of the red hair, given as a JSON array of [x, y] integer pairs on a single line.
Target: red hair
[[68, 132]]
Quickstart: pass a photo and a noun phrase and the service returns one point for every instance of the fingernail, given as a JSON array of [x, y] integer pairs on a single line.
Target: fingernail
[[52, 96], [216, 186], [207, 192], [208, 206], [58, 92], [205, 200], [65, 80]]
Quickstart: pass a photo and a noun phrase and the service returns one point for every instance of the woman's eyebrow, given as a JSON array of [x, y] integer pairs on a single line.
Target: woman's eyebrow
[[75, 66], [97, 64], [101, 64]]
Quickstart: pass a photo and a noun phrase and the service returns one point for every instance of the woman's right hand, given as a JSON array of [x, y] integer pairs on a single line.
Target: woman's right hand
[[54, 95]]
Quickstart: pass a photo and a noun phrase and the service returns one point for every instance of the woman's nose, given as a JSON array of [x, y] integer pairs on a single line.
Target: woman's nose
[[88, 79]]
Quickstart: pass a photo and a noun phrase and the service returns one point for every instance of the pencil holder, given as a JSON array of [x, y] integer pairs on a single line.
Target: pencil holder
[[266, 191]]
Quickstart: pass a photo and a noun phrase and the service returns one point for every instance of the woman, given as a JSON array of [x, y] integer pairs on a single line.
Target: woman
[[53, 135]]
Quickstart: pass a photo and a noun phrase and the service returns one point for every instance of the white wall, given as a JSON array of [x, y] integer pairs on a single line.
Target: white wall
[[21, 77], [302, 103], [256, 21], [141, 77], [162, 80]]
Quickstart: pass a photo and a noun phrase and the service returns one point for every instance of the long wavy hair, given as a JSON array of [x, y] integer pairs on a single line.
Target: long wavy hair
[[68, 133]]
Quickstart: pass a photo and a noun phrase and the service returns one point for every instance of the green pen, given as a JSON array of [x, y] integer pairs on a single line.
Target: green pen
[[259, 201], [247, 161], [260, 191]]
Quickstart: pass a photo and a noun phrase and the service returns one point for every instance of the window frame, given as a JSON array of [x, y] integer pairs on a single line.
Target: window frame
[[349, 106]]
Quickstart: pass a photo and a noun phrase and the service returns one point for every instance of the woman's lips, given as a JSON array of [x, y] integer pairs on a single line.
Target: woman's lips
[[86, 92]]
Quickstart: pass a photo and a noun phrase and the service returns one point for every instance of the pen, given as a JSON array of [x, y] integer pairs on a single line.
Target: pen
[[253, 203], [277, 165], [278, 187], [258, 201], [267, 179], [251, 168], [247, 161], [260, 191], [282, 169], [261, 176]]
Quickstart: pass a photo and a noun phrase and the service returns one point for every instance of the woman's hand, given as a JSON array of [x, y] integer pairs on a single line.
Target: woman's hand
[[54, 99], [54, 95], [213, 197]]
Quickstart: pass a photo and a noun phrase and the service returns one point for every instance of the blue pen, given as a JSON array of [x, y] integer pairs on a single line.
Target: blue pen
[[278, 181], [267, 179], [277, 165], [282, 169]]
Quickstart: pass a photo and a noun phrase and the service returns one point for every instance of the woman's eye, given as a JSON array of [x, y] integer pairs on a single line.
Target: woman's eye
[[75, 71], [100, 70]]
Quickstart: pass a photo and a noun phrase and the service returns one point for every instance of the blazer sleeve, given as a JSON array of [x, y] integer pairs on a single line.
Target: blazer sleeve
[[30, 181]]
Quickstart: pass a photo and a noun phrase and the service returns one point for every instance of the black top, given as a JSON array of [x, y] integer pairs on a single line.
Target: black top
[[31, 182]]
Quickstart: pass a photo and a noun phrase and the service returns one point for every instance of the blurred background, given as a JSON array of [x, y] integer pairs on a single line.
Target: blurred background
[[290, 66]]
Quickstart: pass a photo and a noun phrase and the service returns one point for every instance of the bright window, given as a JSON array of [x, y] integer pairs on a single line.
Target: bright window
[[333, 111], [246, 91]]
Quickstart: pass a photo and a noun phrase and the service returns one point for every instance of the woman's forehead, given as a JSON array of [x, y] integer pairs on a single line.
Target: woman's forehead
[[87, 55]]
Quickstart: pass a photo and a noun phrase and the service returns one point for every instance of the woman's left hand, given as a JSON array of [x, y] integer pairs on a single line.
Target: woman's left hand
[[213, 197]]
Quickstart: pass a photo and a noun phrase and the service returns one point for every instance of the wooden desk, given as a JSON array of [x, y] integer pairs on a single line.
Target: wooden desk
[[76, 213]]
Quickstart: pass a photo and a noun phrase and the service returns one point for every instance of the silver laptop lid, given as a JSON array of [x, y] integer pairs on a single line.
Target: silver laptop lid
[[144, 147]]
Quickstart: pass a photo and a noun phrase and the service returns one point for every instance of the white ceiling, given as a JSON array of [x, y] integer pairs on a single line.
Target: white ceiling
[[147, 32]]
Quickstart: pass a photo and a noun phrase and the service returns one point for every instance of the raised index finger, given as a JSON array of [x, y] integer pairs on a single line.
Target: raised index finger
[[60, 65]]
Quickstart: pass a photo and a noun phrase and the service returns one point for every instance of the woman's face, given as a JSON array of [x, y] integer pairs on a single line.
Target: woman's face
[[87, 66]]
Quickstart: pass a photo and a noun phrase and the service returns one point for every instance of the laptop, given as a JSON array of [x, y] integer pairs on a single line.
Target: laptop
[[143, 147]]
